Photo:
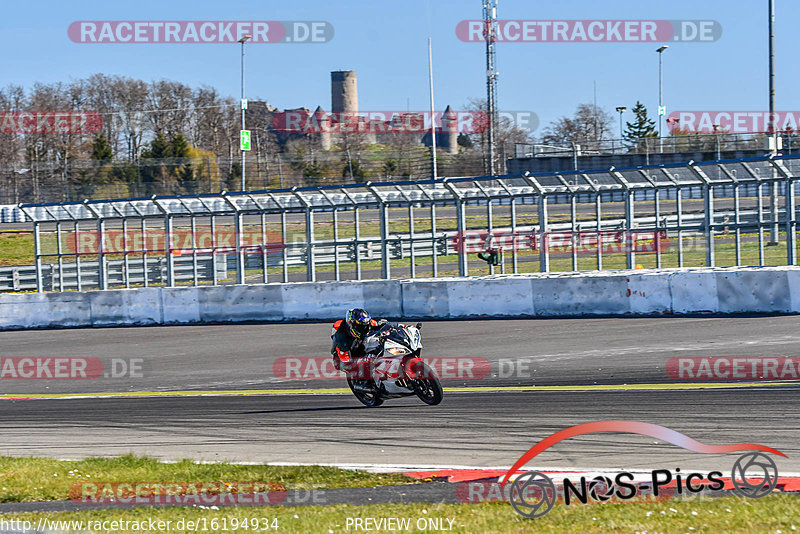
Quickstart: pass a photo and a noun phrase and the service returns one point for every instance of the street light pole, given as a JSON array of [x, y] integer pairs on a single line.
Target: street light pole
[[773, 131], [243, 40], [433, 121], [621, 110], [660, 115], [771, 126]]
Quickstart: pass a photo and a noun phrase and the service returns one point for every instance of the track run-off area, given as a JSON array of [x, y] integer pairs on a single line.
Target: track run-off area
[[219, 392]]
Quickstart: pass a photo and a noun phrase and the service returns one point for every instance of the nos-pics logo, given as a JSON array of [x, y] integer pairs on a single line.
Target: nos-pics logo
[[533, 494]]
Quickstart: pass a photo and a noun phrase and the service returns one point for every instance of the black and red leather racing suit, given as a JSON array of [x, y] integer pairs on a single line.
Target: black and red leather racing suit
[[346, 348]]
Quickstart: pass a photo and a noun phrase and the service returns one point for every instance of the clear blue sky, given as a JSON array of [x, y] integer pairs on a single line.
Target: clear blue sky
[[385, 41]]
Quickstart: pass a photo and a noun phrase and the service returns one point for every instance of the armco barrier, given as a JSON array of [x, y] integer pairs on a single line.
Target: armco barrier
[[638, 292]]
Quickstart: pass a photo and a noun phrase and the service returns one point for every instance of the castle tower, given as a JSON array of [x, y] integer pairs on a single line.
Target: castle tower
[[344, 92], [449, 131], [324, 123]]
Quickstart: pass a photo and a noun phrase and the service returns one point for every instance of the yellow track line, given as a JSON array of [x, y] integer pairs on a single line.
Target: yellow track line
[[626, 387], [335, 391]]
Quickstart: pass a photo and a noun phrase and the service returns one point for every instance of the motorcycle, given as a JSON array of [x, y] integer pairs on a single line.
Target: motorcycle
[[393, 368]]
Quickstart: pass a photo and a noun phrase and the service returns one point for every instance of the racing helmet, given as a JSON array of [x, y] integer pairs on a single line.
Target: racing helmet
[[359, 322]]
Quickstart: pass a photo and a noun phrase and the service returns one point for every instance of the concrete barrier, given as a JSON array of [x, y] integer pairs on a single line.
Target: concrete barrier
[[640, 292], [478, 295]]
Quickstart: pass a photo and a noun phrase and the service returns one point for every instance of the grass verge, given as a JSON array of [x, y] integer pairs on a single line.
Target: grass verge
[[775, 513], [44, 479]]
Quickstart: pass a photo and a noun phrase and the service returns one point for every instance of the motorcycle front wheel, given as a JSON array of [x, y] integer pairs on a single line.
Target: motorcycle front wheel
[[429, 390], [368, 399]]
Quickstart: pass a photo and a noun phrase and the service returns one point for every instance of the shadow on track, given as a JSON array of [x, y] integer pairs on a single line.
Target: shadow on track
[[323, 409]]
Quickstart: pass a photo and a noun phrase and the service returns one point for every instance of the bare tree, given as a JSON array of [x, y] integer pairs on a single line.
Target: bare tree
[[506, 133], [588, 125], [131, 96], [169, 107]]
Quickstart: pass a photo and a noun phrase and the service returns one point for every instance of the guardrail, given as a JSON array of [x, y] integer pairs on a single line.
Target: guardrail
[[10, 213], [415, 228], [85, 275]]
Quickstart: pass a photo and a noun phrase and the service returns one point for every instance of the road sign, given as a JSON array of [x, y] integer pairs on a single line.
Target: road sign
[[662, 110], [244, 140]]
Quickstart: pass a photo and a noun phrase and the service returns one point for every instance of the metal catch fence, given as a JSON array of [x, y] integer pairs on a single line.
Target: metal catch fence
[[730, 212]]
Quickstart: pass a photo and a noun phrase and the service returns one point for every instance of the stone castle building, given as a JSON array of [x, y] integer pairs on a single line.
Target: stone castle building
[[372, 127]]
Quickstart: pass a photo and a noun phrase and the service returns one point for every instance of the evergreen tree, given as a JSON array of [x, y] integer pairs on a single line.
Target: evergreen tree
[[642, 126], [179, 147], [158, 174], [159, 148], [389, 167], [101, 150]]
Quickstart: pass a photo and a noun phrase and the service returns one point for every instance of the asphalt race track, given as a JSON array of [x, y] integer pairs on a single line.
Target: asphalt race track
[[601, 361]]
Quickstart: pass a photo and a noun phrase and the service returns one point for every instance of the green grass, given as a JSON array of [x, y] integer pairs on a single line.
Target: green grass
[[36, 479], [776, 513], [16, 248], [41, 479]]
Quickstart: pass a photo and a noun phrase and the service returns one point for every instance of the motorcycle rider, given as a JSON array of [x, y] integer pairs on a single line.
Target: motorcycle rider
[[348, 336]]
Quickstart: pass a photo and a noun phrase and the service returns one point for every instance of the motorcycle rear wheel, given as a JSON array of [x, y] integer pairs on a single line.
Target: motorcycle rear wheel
[[429, 390], [370, 400]]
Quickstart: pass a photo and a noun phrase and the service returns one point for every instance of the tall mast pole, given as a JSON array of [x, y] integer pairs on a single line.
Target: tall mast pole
[[490, 20]]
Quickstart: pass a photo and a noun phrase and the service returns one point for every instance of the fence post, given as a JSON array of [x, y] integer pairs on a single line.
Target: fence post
[[544, 241], [102, 281], [237, 221], [630, 214], [708, 205], [37, 252], [311, 274], [435, 257], [708, 197], [461, 227], [514, 237], [598, 214], [386, 268], [167, 242], [630, 256], [791, 223], [284, 252], [168, 246], [773, 202], [463, 263]]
